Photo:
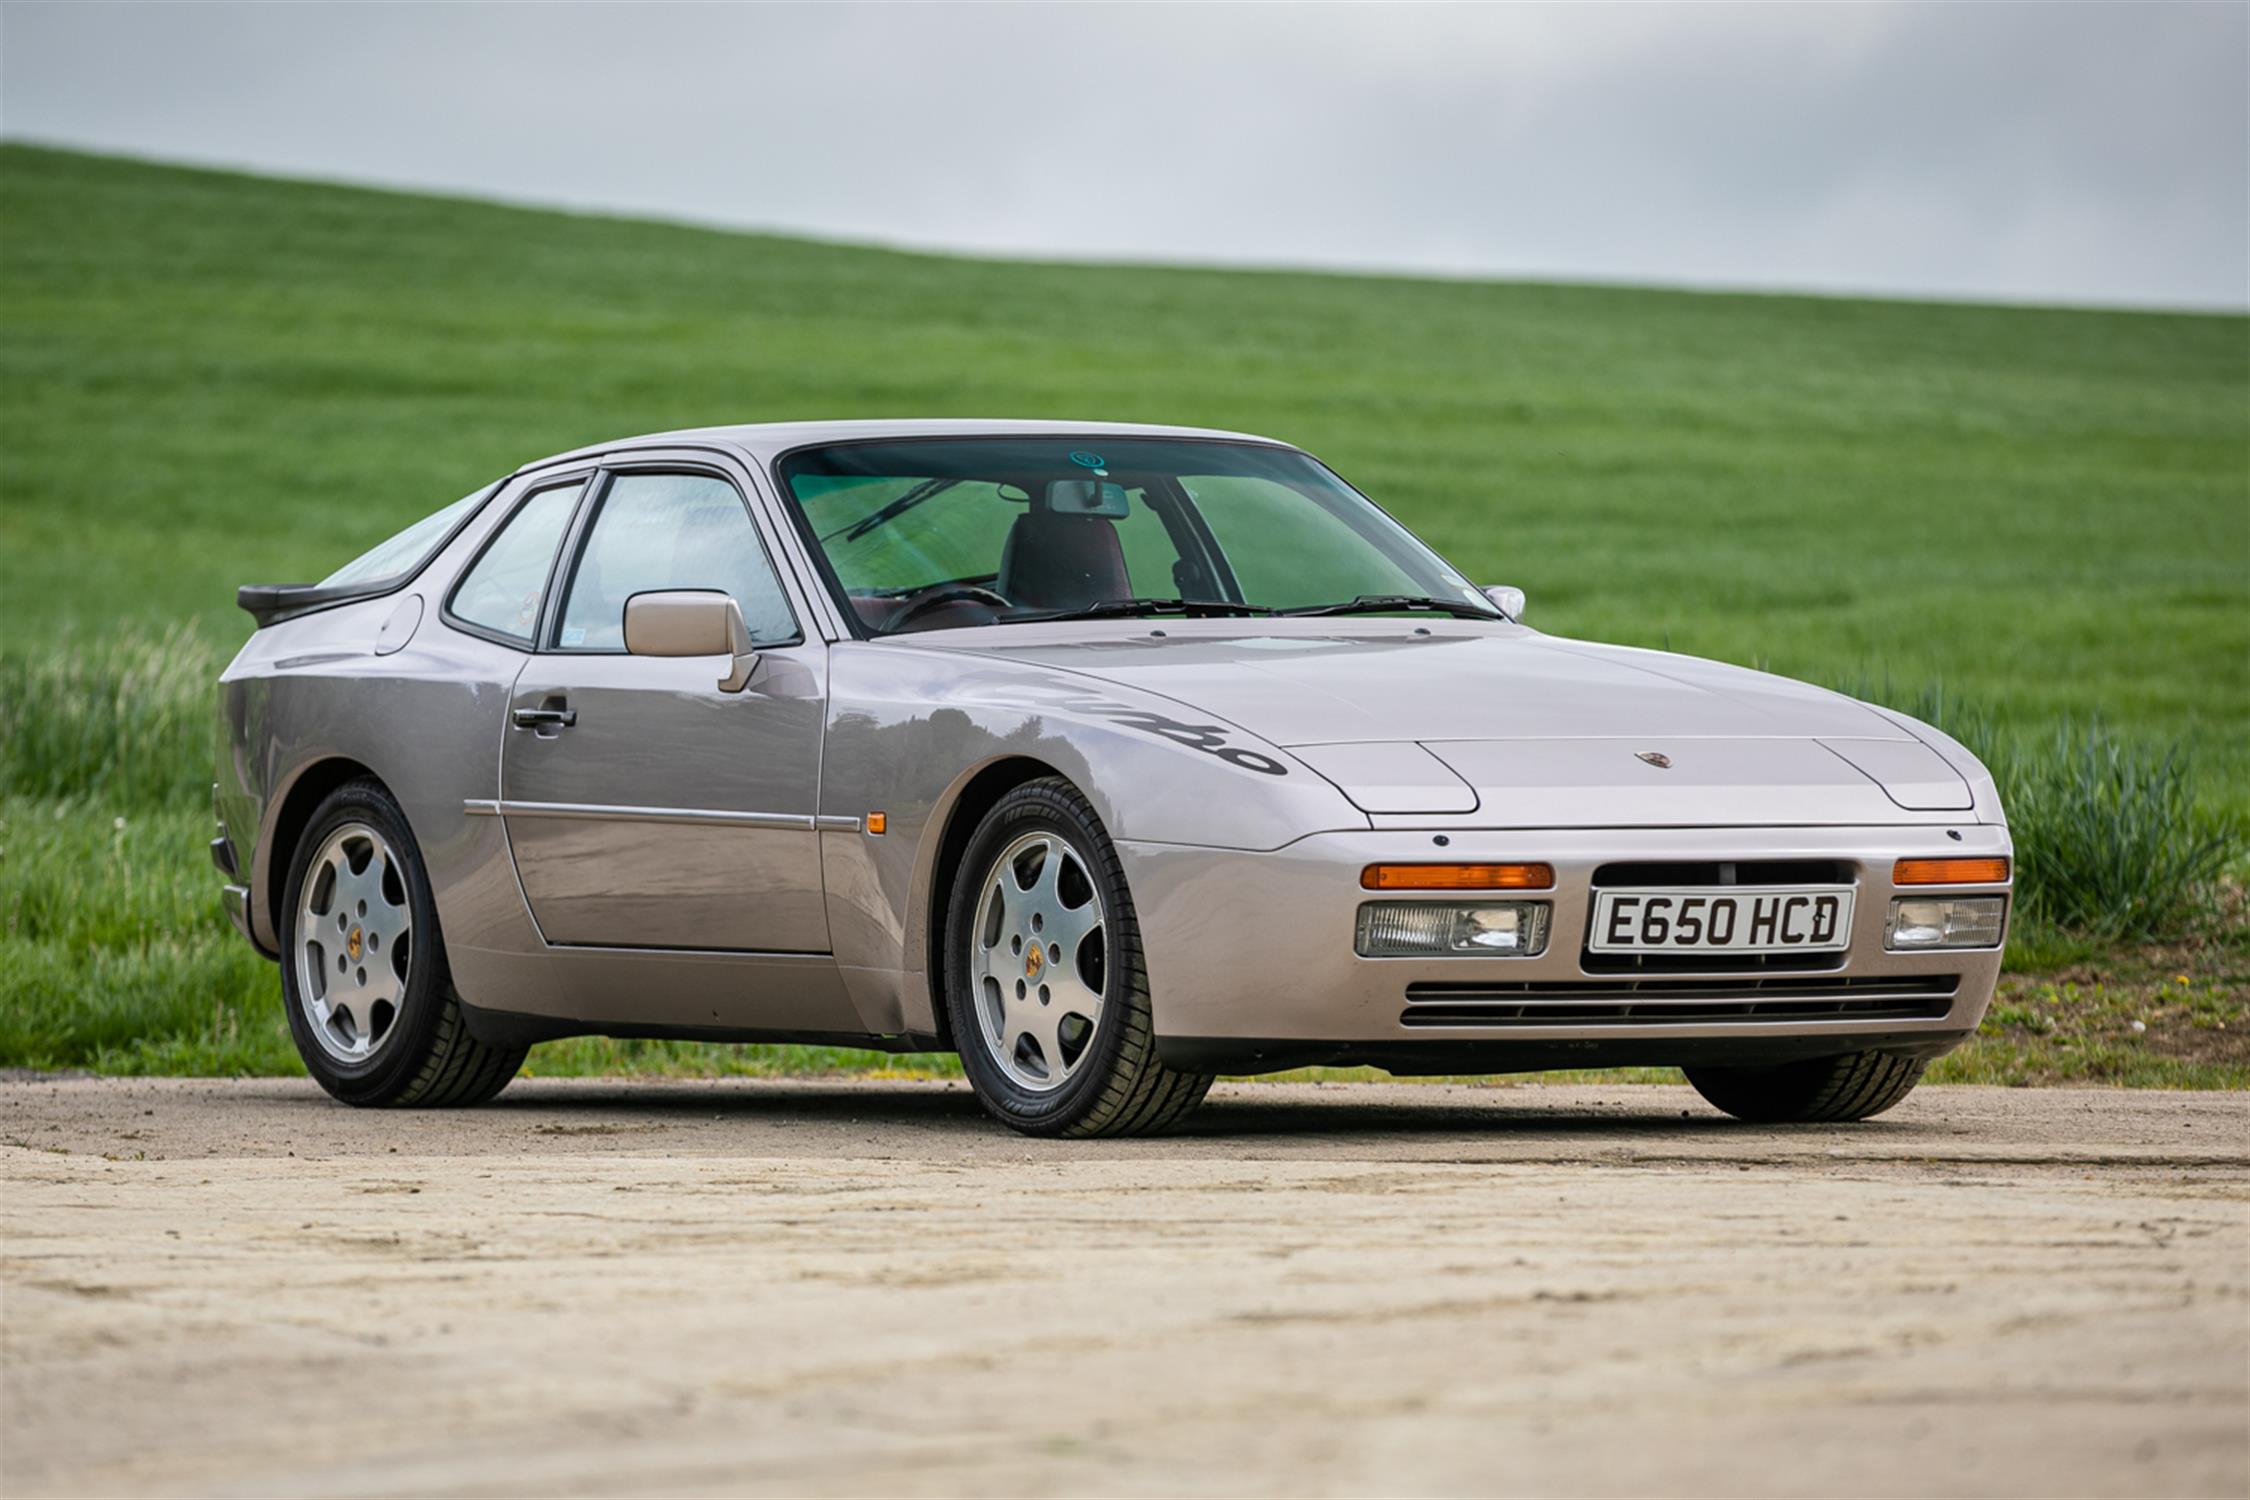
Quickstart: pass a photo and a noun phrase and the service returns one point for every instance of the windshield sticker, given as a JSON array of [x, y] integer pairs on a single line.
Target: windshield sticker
[[1093, 461]]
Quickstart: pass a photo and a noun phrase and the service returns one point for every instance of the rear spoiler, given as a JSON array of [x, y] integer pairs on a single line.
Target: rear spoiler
[[271, 603]]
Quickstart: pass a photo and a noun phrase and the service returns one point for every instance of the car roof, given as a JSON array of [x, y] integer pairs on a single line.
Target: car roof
[[762, 441]]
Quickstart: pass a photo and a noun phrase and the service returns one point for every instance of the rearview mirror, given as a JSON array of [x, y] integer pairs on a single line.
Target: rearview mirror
[[1088, 497], [692, 622], [1509, 598]]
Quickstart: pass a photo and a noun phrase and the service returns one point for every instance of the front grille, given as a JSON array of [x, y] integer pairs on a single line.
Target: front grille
[[1672, 874], [1657, 1002]]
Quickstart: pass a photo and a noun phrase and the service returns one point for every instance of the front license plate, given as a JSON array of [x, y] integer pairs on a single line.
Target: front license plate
[[1740, 919]]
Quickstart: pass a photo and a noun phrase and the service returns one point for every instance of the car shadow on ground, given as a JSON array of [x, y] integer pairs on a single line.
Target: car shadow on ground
[[1231, 1114]]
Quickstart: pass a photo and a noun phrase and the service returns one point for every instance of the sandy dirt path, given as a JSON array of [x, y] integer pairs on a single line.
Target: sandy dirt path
[[236, 1287]]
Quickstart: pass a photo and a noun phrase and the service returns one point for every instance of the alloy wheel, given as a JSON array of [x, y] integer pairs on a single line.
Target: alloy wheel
[[1038, 959], [354, 934]]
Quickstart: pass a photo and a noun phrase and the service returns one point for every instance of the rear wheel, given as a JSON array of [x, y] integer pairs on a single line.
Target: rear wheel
[[1854, 1086], [363, 972], [1044, 982]]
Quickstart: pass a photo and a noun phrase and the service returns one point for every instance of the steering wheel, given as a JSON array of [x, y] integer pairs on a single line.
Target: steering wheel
[[949, 593]]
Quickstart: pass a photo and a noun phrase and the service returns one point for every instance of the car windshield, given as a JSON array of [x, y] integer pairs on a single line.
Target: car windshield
[[937, 534]]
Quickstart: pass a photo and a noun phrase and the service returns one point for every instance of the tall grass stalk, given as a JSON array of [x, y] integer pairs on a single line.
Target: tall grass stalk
[[2109, 839], [125, 723]]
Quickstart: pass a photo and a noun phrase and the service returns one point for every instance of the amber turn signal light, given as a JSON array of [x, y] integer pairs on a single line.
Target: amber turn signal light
[[877, 824], [1949, 872], [1457, 877]]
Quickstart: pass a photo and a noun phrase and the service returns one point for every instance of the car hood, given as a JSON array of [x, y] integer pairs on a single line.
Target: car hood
[[1489, 683], [1504, 720]]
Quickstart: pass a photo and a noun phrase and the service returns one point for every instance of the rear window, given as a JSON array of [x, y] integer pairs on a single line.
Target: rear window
[[406, 552]]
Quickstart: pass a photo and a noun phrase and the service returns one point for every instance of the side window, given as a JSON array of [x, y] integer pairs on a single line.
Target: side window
[[502, 590], [670, 531]]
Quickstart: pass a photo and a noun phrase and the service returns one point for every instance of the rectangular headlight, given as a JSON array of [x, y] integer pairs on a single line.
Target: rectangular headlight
[[1442, 929], [1945, 922]]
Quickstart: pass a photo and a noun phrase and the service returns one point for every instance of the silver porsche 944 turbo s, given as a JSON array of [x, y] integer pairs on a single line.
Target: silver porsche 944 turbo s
[[1112, 758]]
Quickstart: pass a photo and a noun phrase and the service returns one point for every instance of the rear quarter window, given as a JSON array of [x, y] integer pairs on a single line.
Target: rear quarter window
[[503, 589]]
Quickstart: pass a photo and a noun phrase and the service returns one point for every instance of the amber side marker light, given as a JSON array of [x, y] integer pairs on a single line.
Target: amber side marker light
[[877, 824], [1457, 877], [1949, 872]]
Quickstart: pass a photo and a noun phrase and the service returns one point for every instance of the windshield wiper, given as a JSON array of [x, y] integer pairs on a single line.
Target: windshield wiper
[[1115, 607], [1383, 604], [928, 489]]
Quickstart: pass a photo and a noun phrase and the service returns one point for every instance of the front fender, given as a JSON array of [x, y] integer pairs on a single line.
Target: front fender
[[1984, 791], [909, 733]]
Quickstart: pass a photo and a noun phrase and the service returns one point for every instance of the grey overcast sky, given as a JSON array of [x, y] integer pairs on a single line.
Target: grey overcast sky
[[2055, 153]]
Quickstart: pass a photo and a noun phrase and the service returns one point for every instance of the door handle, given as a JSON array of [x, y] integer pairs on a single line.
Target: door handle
[[545, 718]]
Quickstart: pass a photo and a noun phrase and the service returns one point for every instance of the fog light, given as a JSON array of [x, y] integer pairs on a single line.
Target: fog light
[[1427, 929], [1945, 922]]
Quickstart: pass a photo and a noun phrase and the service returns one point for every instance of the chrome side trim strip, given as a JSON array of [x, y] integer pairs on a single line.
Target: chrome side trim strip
[[599, 812], [481, 807], [837, 823], [792, 958]]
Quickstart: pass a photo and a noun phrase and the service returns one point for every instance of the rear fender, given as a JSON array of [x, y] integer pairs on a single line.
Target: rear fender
[[310, 703]]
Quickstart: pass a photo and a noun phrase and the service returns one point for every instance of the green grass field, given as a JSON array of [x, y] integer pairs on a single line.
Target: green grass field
[[207, 379]]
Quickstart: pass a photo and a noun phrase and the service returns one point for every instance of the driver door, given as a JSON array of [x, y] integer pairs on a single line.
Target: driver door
[[645, 807]]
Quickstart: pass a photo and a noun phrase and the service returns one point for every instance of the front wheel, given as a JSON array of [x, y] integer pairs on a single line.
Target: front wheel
[[363, 972], [1044, 983], [1854, 1086]]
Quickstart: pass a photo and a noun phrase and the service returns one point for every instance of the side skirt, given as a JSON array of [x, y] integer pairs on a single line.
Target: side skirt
[[505, 1028]]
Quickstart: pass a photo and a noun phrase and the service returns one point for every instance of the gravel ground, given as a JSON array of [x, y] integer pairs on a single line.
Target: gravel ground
[[236, 1287]]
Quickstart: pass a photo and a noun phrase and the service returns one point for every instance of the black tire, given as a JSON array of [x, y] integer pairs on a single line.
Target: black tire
[[1118, 1086], [1855, 1086], [426, 1057]]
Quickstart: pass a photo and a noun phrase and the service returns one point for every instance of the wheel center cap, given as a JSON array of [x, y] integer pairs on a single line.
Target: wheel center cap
[[352, 943], [1034, 961]]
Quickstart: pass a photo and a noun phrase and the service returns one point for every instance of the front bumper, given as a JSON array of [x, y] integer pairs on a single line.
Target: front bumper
[[1251, 962]]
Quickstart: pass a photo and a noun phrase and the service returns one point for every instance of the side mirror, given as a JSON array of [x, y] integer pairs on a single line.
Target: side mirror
[[692, 622], [1509, 599]]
